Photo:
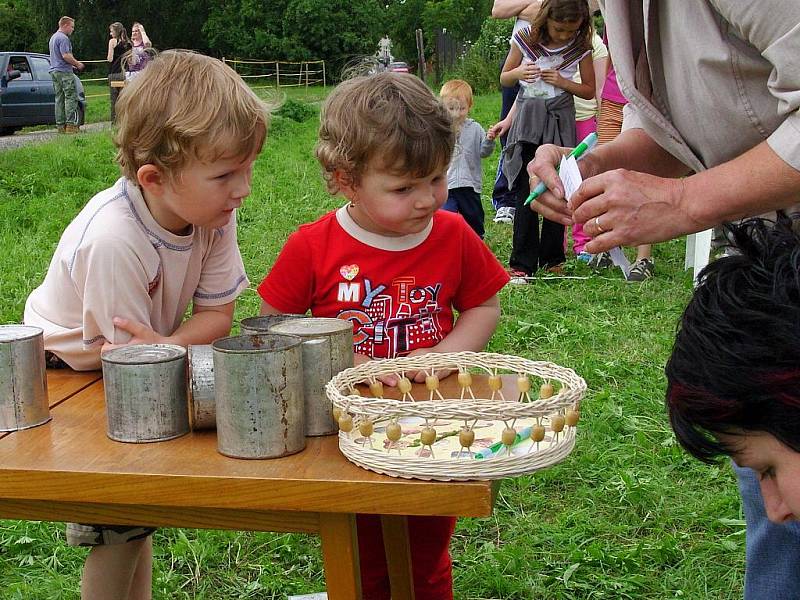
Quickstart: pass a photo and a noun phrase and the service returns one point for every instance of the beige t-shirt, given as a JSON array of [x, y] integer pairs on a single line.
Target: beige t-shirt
[[115, 260], [586, 109]]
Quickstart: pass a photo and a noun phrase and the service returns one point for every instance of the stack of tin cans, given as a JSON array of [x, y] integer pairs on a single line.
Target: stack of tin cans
[[263, 391]]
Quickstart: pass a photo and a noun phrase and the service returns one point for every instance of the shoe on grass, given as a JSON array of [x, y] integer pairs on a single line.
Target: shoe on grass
[[518, 277], [601, 260], [642, 269], [555, 269], [505, 214]]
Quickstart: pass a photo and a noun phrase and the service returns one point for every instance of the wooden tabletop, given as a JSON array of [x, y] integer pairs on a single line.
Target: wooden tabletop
[[71, 459], [69, 470]]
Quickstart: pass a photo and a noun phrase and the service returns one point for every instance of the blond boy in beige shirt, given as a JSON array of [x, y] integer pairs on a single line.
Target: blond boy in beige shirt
[[163, 237]]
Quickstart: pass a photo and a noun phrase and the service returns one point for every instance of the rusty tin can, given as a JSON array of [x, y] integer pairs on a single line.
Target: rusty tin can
[[259, 393], [202, 404], [23, 381], [262, 324], [145, 387], [327, 350]]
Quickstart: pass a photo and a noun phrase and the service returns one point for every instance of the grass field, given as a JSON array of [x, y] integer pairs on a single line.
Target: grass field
[[628, 515]]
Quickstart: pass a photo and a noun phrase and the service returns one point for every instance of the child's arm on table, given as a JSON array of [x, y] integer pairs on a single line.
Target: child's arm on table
[[471, 332], [206, 324]]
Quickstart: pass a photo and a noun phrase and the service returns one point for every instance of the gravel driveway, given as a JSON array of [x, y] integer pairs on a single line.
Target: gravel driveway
[[21, 139]]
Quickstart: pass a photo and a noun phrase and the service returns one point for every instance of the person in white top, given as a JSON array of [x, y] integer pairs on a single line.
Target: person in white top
[[161, 238]]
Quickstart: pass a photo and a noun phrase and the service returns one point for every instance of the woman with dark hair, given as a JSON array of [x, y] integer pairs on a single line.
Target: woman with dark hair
[[118, 45], [734, 374]]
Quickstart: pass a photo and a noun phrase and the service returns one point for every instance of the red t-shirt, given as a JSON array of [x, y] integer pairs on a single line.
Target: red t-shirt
[[399, 293]]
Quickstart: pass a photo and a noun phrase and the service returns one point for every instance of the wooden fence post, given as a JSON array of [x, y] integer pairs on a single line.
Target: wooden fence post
[[420, 56]]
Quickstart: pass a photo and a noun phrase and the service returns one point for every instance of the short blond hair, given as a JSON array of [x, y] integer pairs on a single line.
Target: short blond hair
[[185, 106], [65, 20], [389, 120], [457, 88]]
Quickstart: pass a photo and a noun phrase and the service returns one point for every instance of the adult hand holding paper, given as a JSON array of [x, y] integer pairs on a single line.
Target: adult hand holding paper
[[571, 178]]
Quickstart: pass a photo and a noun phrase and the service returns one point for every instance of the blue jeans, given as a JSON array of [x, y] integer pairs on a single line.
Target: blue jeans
[[501, 195], [773, 551]]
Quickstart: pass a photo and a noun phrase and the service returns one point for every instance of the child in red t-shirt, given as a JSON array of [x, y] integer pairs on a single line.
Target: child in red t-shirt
[[394, 265]]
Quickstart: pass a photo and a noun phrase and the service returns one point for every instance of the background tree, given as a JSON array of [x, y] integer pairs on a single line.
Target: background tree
[[336, 30], [19, 28], [246, 28], [461, 18]]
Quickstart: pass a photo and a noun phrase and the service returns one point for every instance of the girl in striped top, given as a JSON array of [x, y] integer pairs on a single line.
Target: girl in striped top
[[543, 59]]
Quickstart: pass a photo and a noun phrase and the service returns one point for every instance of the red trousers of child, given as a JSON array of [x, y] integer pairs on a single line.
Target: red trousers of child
[[429, 538]]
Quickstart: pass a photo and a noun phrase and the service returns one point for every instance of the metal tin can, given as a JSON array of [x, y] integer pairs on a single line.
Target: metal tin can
[[259, 393], [327, 350], [202, 404], [23, 379], [145, 387], [255, 325]]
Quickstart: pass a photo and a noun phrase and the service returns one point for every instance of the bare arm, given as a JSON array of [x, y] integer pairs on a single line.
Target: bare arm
[[635, 208], [69, 58], [473, 329], [600, 71], [206, 324], [471, 333], [501, 127], [504, 9], [268, 309], [112, 43], [652, 206], [585, 89], [514, 71], [633, 149]]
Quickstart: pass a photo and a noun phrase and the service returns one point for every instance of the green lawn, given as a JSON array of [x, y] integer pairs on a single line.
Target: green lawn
[[628, 515]]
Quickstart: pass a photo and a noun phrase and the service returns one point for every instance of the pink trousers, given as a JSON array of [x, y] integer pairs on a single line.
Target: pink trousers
[[579, 239]]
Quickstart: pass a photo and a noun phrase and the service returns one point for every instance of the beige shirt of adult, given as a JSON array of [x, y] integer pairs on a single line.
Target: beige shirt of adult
[[115, 260], [708, 80]]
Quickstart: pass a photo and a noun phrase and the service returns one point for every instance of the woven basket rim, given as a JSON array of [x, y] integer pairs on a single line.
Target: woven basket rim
[[465, 468]]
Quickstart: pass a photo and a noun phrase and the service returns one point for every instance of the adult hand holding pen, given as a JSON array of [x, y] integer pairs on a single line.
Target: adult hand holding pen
[[551, 204], [620, 207]]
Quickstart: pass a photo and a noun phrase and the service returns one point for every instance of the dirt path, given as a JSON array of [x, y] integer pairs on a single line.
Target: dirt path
[[22, 139]]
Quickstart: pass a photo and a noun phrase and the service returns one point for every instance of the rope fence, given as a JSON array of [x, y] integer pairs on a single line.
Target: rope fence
[[93, 79], [279, 74], [273, 73]]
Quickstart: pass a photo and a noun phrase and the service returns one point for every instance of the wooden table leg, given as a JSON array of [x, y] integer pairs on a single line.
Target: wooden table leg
[[340, 556], [398, 556]]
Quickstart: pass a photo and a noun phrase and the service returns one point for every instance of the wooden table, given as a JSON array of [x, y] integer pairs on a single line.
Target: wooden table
[[68, 470]]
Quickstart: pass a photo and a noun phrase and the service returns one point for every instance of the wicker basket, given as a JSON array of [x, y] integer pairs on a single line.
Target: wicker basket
[[510, 417]]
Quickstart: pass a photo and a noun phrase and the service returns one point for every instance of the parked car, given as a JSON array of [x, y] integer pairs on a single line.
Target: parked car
[[26, 92], [398, 67]]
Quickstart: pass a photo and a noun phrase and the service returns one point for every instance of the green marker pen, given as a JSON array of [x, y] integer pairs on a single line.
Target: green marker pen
[[589, 142]]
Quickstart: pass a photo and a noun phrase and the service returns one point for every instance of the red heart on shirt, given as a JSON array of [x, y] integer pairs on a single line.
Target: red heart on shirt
[[349, 272]]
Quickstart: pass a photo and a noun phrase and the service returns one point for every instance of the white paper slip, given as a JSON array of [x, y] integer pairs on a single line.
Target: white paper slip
[[571, 178], [570, 175], [619, 259]]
